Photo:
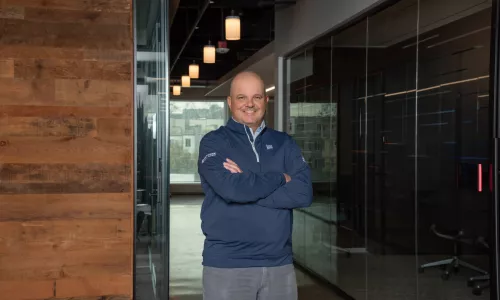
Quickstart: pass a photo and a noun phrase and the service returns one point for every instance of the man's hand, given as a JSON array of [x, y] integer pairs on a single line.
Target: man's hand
[[287, 177], [231, 166]]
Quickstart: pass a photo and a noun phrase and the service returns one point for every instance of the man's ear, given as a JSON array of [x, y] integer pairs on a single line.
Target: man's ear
[[229, 101]]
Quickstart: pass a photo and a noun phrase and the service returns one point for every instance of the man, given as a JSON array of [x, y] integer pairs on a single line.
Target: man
[[252, 177]]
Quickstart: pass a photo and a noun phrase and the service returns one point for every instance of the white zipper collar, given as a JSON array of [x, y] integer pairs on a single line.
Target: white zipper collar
[[254, 135]]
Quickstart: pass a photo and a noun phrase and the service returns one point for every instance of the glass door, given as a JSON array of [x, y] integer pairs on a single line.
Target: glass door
[[152, 150]]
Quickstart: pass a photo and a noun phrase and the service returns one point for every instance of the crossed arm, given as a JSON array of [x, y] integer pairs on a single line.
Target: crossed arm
[[297, 192], [245, 187], [269, 189]]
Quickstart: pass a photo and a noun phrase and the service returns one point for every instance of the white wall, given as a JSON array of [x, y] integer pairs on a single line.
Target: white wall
[[308, 19]]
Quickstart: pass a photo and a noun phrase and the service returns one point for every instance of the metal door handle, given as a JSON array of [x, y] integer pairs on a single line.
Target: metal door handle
[[479, 178]]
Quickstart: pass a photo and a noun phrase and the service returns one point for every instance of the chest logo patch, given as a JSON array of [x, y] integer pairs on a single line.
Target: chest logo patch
[[269, 147]]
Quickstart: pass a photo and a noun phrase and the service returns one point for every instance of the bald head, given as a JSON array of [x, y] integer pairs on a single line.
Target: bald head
[[246, 77], [248, 100]]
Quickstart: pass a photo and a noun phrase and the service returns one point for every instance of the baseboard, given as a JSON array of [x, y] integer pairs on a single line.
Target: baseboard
[[186, 189]]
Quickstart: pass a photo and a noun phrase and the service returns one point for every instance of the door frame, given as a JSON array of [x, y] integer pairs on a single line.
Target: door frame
[[495, 126], [165, 153], [163, 145]]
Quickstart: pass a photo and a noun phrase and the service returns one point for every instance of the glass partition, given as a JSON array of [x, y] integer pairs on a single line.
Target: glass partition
[[453, 188], [393, 116], [355, 152], [391, 99], [313, 125], [151, 157]]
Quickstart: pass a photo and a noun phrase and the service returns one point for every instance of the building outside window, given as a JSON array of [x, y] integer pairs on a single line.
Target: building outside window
[[189, 122]]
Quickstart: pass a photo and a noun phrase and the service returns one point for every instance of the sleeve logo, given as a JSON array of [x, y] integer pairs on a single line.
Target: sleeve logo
[[208, 156]]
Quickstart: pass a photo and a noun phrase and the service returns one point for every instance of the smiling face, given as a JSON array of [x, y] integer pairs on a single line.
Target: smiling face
[[248, 100]]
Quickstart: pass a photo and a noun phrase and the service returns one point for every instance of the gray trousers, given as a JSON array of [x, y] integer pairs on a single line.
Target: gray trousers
[[274, 283]]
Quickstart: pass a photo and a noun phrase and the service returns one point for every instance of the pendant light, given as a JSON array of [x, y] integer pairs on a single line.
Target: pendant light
[[209, 54], [233, 27], [177, 90], [194, 71], [186, 81]]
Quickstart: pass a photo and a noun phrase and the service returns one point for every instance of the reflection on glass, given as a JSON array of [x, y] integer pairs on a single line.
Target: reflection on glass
[[151, 232], [296, 78], [390, 139], [356, 155], [453, 189], [313, 125], [393, 117], [189, 122]]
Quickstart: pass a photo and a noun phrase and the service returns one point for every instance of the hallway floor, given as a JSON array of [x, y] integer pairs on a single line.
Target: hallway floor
[[186, 244], [389, 276]]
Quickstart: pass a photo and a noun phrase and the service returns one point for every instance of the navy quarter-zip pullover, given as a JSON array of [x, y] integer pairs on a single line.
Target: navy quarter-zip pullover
[[247, 217]]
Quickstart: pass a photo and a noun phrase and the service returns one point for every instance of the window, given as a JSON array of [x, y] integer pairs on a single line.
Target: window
[[189, 122]]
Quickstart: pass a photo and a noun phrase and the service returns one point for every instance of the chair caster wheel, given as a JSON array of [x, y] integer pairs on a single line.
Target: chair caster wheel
[[470, 283], [477, 291], [421, 270], [445, 275]]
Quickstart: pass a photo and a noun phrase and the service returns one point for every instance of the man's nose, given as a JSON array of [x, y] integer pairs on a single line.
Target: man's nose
[[250, 102]]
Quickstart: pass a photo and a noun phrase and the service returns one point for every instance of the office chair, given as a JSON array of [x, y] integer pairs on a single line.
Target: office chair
[[481, 282], [453, 262]]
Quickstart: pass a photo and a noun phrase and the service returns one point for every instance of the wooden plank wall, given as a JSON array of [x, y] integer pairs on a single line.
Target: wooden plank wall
[[66, 149]]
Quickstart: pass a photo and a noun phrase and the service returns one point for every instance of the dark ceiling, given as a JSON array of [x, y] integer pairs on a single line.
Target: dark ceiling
[[257, 30]]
